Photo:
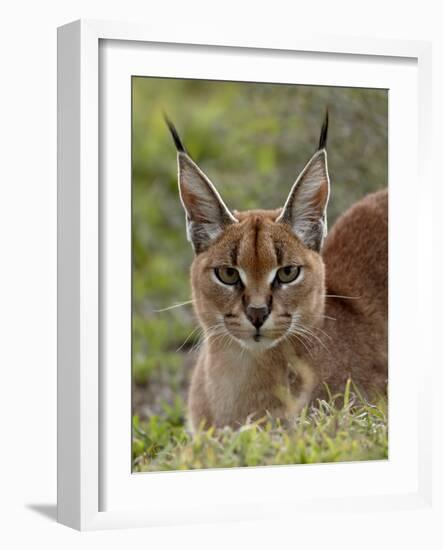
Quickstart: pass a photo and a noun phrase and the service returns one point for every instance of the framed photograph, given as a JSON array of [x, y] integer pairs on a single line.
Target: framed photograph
[[233, 279]]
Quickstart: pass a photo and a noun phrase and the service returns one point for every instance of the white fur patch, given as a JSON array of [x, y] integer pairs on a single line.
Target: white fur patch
[[206, 213], [306, 215], [271, 276], [207, 202], [243, 276]]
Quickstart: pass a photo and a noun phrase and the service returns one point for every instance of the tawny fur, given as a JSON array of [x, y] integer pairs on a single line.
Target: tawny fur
[[230, 384], [272, 344]]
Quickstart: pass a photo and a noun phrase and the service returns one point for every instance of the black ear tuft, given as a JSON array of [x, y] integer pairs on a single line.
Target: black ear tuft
[[324, 132], [178, 142]]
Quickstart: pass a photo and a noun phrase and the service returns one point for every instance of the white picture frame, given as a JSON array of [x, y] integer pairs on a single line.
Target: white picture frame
[[95, 487]]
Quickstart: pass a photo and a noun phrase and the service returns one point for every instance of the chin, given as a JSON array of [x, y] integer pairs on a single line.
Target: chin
[[258, 346]]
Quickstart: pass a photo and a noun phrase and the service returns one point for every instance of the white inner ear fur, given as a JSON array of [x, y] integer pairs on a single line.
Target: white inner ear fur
[[207, 205], [302, 208]]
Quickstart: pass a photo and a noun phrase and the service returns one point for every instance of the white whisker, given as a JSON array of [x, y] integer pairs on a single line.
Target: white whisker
[[344, 297], [174, 306], [187, 338], [208, 333], [320, 330], [304, 328], [298, 337]]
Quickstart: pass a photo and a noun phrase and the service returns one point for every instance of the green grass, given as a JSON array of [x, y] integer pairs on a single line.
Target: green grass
[[324, 432]]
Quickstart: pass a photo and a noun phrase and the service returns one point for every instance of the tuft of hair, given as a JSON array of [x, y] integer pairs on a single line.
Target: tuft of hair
[[324, 132], [177, 140]]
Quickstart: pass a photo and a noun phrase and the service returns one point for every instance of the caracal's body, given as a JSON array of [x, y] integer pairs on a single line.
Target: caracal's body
[[283, 309], [230, 383]]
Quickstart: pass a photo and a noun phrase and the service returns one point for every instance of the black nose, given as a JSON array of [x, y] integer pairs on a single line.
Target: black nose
[[257, 315]]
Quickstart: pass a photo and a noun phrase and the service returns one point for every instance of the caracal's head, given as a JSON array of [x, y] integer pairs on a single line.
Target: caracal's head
[[257, 276]]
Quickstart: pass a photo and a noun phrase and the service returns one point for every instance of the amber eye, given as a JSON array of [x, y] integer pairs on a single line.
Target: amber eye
[[227, 275], [288, 274]]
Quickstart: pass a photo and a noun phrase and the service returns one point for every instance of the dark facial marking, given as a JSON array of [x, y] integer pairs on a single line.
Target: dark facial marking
[[278, 249], [257, 230], [234, 253]]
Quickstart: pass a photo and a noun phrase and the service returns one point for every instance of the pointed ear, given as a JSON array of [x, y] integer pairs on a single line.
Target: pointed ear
[[305, 208], [206, 214]]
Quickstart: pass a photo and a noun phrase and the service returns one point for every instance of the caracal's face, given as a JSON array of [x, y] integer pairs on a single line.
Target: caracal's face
[[258, 284]]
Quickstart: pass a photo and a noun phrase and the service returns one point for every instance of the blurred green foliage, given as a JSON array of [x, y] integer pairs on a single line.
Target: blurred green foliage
[[252, 140]]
